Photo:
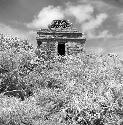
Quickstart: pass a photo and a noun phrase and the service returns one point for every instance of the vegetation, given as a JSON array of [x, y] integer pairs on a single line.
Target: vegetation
[[83, 89]]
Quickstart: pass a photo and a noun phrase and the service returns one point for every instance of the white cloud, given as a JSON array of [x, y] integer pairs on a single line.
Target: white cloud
[[94, 23], [120, 19], [45, 16], [84, 15], [7, 30], [12, 32], [119, 36], [102, 34], [81, 12], [99, 4]]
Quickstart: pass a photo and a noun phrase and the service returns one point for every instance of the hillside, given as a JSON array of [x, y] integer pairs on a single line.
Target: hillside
[[79, 90]]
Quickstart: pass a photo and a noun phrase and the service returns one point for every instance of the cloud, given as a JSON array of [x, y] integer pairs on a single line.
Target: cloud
[[81, 12], [119, 36], [120, 19], [102, 34], [115, 3], [84, 15], [94, 23], [7, 30], [45, 16], [13, 32]]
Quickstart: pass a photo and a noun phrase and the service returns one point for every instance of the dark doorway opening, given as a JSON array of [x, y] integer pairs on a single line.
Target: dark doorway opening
[[39, 42], [61, 49]]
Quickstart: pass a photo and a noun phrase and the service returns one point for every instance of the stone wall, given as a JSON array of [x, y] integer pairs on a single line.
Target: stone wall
[[50, 48], [73, 48]]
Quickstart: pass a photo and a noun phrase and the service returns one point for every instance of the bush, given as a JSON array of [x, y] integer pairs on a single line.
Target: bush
[[15, 58], [76, 89]]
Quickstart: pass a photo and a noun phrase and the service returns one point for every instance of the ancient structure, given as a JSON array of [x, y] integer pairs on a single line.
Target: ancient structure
[[60, 38]]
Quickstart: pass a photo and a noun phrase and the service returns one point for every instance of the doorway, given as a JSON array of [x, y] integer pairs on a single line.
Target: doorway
[[61, 49]]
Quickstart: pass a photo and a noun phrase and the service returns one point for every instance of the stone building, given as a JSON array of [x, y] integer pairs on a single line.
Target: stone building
[[60, 38]]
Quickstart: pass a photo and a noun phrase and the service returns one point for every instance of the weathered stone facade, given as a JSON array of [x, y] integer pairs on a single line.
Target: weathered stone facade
[[60, 42], [73, 48]]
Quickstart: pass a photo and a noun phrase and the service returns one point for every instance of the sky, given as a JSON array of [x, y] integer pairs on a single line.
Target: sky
[[100, 20]]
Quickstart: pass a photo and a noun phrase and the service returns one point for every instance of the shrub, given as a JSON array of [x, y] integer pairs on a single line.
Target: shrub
[[15, 58], [75, 89]]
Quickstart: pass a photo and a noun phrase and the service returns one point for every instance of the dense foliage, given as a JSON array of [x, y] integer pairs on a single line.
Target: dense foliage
[[15, 57], [83, 89]]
